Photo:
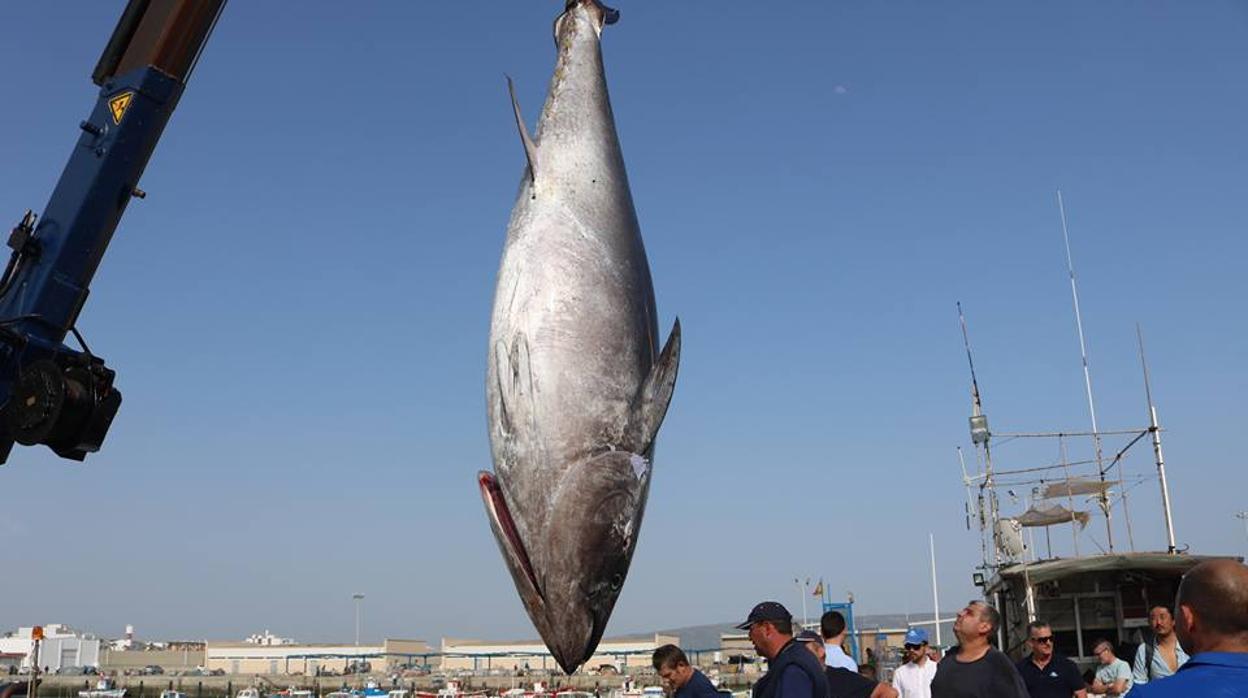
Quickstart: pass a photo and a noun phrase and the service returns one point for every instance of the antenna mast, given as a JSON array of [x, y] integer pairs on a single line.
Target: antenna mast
[[980, 435], [1155, 430], [1087, 380], [979, 514]]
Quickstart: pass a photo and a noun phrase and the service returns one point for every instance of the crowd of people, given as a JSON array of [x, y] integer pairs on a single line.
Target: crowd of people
[[1200, 648]]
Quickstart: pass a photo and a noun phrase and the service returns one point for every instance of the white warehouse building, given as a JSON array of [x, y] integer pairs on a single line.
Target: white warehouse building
[[62, 646]]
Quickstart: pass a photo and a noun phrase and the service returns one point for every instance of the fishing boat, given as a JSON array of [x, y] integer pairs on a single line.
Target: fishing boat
[[1099, 586], [169, 693], [104, 688], [371, 689], [453, 690], [630, 689]]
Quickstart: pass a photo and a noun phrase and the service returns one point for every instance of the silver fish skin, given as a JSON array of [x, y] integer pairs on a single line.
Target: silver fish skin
[[576, 387]]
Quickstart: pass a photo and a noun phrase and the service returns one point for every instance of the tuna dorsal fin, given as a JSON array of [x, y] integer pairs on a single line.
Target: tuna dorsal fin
[[650, 405], [530, 148]]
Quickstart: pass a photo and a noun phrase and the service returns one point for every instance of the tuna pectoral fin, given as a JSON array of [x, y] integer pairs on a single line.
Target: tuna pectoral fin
[[650, 405], [530, 148], [508, 538]]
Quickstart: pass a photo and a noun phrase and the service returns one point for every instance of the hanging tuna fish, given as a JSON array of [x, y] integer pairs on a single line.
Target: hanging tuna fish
[[576, 387]]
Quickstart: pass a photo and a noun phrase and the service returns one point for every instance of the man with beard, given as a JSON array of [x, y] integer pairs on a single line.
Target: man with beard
[[1162, 656], [914, 678], [975, 669]]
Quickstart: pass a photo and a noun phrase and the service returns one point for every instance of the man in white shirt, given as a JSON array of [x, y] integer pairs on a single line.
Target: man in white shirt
[[832, 628], [914, 678]]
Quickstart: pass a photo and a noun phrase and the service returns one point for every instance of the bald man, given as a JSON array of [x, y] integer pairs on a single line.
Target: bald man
[[1211, 619]]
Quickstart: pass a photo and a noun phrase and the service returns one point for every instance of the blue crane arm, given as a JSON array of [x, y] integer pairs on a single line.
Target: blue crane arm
[[50, 393]]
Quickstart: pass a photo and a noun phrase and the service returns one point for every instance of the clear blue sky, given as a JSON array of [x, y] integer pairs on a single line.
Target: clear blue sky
[[298, 312]]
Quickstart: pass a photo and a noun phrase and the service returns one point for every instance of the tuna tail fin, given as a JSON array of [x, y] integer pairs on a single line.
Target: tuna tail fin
[[530, 148], [650, 404]]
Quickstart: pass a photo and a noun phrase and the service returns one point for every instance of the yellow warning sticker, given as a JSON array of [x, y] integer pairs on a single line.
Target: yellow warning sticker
[[119, 104]]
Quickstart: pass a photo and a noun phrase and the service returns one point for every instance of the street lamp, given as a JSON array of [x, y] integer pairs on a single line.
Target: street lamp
[[358, 598], [1243, 516], [801, 591]]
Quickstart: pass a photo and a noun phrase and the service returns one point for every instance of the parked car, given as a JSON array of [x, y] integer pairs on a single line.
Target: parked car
[[152, 670], [68, 671]]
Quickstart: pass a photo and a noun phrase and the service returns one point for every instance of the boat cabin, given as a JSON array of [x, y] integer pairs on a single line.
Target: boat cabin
[[1086, 598]]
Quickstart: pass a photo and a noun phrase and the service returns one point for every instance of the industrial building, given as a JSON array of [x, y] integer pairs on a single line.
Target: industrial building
[[62, 646], [620, 654], [10, 662], [312, 659], [737, 654], [189, 657]]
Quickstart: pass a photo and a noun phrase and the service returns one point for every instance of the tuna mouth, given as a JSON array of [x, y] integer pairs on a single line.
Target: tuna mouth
[[497, 505], [568, 628]]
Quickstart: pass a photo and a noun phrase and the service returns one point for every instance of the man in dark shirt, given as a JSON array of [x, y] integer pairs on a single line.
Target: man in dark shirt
[[679, 678], [975, 669], [1046, 674], [792, 672], [843, 683]]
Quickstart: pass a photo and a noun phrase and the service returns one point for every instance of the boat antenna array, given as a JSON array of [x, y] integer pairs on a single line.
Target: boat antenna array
[[1005, 533], [1087, 381]]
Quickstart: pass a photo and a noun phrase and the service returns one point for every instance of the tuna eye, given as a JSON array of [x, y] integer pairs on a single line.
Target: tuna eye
[[616, 581]]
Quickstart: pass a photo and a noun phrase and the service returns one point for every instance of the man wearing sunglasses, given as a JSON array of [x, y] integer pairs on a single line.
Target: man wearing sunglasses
[[1045, 673], [914, 678]]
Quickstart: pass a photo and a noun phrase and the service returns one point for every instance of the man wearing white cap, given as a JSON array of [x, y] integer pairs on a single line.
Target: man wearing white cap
[[914, 678]]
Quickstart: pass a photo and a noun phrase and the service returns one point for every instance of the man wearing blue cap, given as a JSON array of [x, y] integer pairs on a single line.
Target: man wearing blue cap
[[792, 672], [914, 678]]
